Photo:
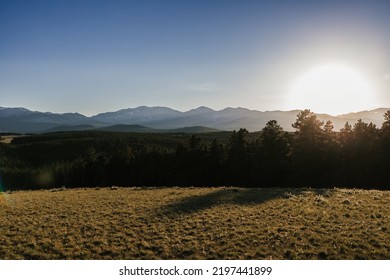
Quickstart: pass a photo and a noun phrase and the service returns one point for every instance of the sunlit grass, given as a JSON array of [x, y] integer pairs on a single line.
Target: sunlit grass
[[195, 223], [7, 139]]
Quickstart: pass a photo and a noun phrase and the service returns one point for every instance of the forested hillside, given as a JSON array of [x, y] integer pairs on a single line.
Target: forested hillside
[[314, 155]]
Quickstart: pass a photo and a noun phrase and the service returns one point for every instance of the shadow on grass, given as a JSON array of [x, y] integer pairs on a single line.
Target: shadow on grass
[[234, 196]]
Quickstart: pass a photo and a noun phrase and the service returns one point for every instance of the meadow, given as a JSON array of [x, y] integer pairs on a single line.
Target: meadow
[[195, 223]]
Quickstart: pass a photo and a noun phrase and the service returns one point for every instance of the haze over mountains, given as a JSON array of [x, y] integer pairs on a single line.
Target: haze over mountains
[[164, 119]]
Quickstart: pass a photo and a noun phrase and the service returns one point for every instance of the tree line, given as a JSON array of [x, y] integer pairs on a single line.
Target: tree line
[[313, 156]]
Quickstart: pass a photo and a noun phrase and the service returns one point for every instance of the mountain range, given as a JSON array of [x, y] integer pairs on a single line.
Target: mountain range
[[164, 119]]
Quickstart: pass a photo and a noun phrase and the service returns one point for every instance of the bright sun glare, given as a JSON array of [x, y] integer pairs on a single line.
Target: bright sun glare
[[333, 89]]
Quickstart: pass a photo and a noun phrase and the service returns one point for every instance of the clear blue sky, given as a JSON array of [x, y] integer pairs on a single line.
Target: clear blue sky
[[95, 56]]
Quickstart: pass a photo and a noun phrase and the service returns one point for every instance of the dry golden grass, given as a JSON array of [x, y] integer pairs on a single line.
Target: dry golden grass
[[7, 139], [195, 223]]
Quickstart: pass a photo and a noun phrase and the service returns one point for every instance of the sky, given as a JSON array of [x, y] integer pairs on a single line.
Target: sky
[[97, 56]]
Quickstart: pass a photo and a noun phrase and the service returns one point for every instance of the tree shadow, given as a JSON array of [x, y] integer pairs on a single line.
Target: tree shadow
[[235, 196]]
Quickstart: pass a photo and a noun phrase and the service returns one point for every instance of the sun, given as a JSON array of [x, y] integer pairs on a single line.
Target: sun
[[333, 89]]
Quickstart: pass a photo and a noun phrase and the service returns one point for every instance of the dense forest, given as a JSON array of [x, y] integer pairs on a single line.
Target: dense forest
[[313, 156]]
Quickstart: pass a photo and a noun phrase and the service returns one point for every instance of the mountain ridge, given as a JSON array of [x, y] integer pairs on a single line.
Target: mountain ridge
[[22, 120]]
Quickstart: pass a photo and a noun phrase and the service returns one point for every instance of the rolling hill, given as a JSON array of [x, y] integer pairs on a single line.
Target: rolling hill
[[161, 119]]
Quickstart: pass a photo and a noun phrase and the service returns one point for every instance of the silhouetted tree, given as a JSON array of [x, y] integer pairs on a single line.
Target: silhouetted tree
[[328, 129], [308, 126], [385, 150], [214, 164], [329, 155], [238, 160], [272, 160], [345, 135], [307, 151], [364, 161], [386, 124]]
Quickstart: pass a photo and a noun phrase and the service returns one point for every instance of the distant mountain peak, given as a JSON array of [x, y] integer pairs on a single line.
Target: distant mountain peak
[[204, 108], [200, 110], [10, 112]]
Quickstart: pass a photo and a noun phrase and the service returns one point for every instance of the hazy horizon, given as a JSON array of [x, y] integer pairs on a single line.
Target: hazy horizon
[[98, 56], [184, 111]]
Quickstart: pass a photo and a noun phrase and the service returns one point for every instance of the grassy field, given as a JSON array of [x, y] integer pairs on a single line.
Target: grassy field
[[195, 223], [7, 139]]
